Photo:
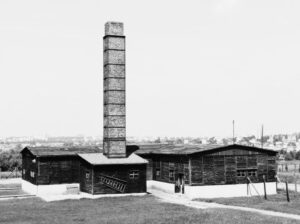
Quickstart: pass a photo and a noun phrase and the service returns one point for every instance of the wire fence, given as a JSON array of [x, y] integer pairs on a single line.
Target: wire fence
[[292, 167], [13, 173]]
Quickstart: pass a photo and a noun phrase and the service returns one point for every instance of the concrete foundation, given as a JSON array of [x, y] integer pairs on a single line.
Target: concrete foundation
[[58, 192], [53, 189], [216, 191]]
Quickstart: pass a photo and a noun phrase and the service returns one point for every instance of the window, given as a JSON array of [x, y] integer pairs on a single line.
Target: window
[[241, 173], [252, 173], [23, 171], [134, 174], [157, 173], [171, 175], [32, 174], [246, 173], [87, 174]]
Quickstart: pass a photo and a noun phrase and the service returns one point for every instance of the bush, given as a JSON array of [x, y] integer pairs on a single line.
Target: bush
[[10, 160]]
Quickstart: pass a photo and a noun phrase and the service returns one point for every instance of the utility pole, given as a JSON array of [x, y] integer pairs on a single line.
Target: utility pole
[[262, 136], [233, 141]]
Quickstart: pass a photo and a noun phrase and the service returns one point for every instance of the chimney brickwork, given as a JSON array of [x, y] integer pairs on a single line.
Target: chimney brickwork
[[114, 136]]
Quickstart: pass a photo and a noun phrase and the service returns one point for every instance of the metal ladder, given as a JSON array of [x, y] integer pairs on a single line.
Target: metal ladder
[[113, 183]]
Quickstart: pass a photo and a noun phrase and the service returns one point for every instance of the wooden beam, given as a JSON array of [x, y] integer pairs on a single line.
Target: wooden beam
[[190, 171], [92, 180]]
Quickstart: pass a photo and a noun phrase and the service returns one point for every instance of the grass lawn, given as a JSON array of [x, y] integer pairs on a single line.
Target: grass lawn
[[127, 210], [275, 202], [12, 192], [15, 189]]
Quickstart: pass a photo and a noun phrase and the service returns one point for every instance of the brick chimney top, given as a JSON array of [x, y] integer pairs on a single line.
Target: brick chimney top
[[114, 28]]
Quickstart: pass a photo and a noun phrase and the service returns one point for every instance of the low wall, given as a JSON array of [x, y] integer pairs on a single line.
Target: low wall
[[216, 191], [161, 186], [53, 189]]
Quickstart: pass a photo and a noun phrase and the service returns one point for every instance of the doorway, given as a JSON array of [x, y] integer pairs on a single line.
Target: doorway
[[179, 184]]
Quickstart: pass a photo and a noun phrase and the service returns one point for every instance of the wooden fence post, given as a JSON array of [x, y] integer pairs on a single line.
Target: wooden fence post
[[277, 185], [265, 190], [287, 191], [295, 179], [247, 186]]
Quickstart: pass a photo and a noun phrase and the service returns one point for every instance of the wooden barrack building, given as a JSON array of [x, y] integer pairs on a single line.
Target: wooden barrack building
[[209, 164]]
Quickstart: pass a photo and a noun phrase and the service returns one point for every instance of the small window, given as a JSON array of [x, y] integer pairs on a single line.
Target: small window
[[241, 173], [171, 175], [23, 171], [134, 174], [246, 173], [157, 172], [34, 161], [87, 175], [32, 174], [252, 173]]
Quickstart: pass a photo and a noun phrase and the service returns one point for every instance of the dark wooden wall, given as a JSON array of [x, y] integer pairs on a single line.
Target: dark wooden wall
[[212, 168], [149, 172], [94, 185], [86, 183], [224, 168], [58, 170], [50, 170], [178, 164], [29, 164]]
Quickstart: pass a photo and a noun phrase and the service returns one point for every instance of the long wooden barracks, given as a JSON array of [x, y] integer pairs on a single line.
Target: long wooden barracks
[[209, 164], [116, 169]]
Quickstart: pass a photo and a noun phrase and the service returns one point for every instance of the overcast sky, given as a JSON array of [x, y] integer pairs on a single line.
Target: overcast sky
[[192, 66]]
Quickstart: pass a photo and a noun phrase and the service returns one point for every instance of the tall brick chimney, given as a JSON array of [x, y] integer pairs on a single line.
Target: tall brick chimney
[[114, 139]]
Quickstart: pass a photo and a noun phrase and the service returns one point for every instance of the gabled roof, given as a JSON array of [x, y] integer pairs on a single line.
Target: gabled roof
[[60, 151], [192, 149], [100, 159]]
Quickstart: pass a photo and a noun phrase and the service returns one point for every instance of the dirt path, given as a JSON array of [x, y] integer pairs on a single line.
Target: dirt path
[[182, 200]]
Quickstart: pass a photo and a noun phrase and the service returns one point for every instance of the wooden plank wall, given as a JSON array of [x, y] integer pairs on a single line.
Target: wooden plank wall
[[208, 170], [58, 170], [222, 169], [29, 166], [272, 168], [149, 171], [196, 170], [120, 172], [230, 170], [86, 184], [179, 165], [219, 171]]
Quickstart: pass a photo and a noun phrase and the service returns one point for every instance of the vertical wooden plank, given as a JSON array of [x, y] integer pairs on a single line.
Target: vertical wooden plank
[[230, 169], [92, 180], [208, 170], [219, 169], [190, 171], [196, 170]]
